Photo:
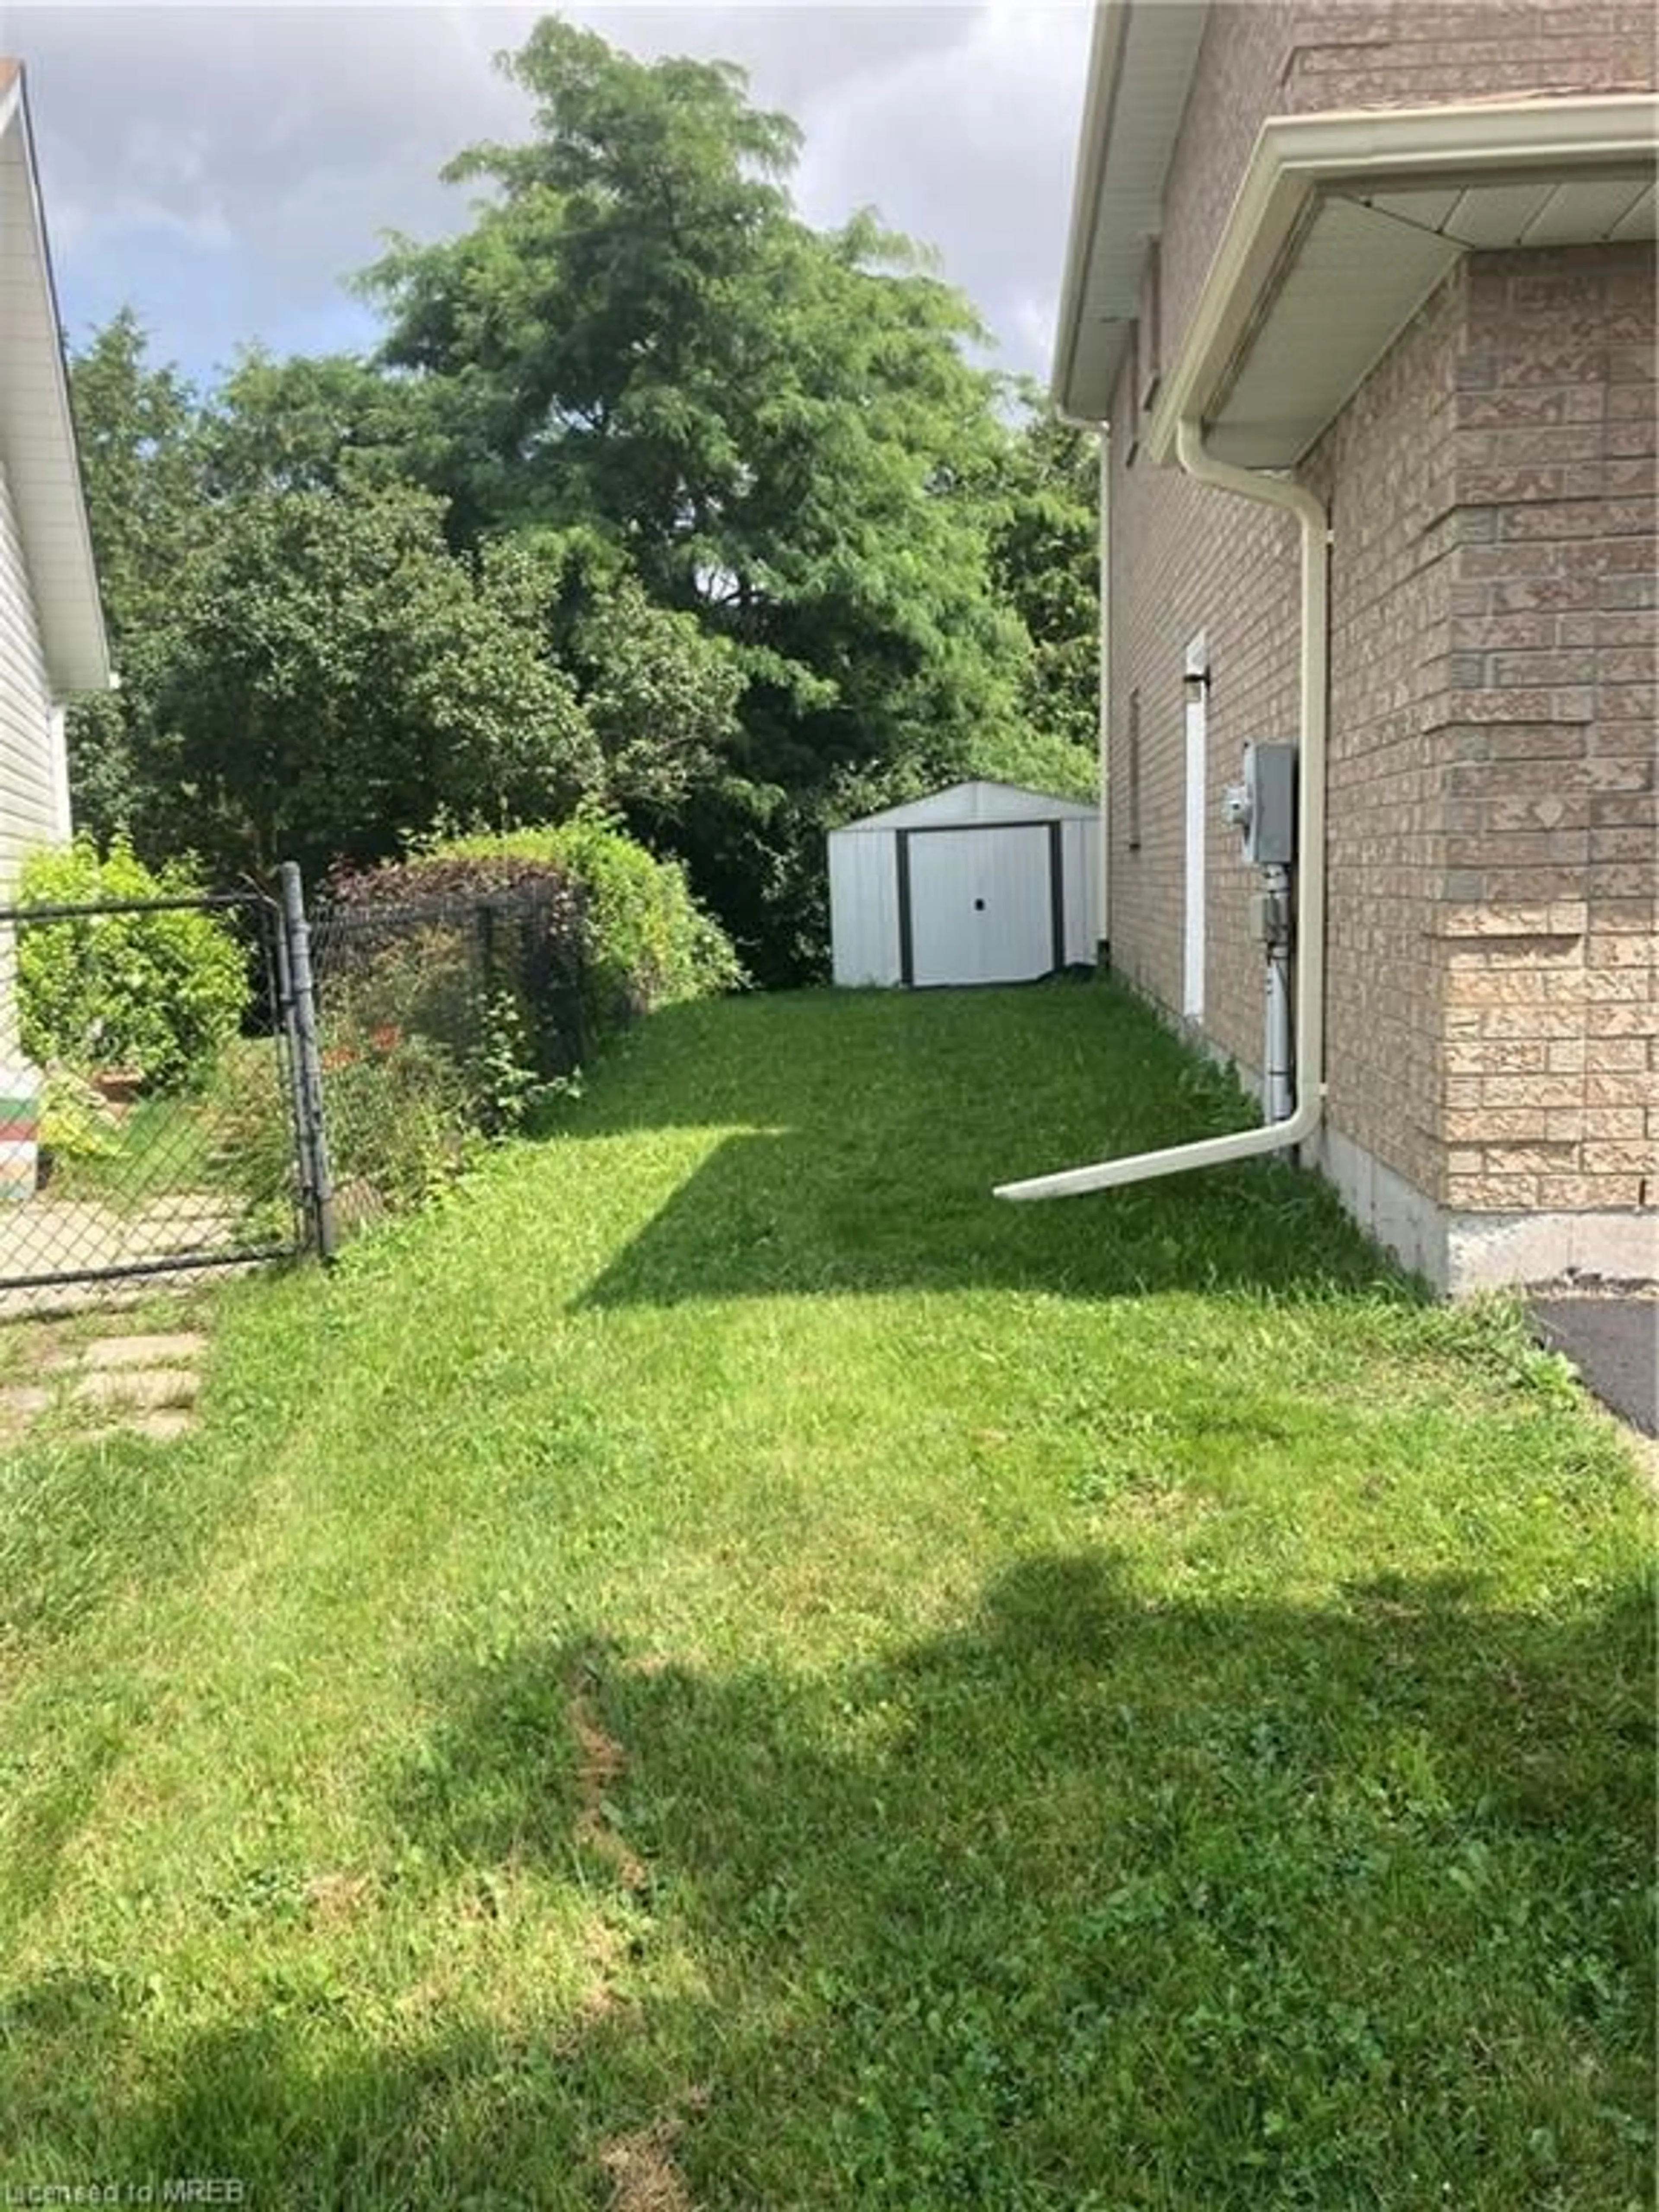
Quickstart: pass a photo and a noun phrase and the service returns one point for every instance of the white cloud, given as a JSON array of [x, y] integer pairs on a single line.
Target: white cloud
[[215, 161]]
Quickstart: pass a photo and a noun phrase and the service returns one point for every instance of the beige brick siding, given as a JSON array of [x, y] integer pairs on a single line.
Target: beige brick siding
[[1267, 58], [1386, 470], [1491, 996], [1187, 559], [1491, 993], [1547, 941]]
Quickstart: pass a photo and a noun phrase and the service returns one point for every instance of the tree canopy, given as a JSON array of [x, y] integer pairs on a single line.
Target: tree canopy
[[653, 494]]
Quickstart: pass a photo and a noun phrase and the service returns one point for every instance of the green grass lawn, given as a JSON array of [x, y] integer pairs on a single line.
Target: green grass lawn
[[725, 1668]]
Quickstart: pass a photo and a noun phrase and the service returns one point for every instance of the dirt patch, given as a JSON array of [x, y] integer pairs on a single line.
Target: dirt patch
[[600, 1762], [644, 2177], [21, 1403], [603, 1948], [333, 1897]]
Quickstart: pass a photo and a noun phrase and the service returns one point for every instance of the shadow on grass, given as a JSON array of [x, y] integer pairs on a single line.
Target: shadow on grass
[[866, 1132], [1090, 1902]]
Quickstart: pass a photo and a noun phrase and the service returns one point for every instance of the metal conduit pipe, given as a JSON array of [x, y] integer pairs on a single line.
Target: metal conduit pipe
[[1279, 1060], [1304, 1118]]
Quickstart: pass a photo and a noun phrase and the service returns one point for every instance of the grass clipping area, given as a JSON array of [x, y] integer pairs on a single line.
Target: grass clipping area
[[725, 1668]]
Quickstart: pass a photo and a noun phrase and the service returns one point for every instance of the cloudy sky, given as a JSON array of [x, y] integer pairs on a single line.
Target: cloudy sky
[[222, 168]]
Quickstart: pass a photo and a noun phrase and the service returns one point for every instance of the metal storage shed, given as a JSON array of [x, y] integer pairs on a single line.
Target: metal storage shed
[[981, 884]]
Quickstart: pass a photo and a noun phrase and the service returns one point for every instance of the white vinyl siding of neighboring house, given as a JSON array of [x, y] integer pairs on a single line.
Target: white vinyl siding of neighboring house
[[33, 808]]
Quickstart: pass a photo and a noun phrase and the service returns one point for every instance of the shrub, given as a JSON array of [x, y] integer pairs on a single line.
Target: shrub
[[400, 1125], [249, 1119], [481, 956], [645, 942], [77, 1121], [160, 994], [459, 987], [401, 1121]]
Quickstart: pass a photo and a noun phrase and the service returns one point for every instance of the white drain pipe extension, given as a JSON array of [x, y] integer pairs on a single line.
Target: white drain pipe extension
[[1304, 1116]]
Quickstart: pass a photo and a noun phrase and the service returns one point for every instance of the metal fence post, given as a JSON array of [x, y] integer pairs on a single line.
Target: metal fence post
[[308, 1058]]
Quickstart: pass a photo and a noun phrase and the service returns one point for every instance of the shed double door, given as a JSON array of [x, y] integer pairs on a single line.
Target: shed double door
[[983, 904]]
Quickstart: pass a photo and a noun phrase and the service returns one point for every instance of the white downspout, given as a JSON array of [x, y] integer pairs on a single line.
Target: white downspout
[[1304, 1117], [1104, 931]]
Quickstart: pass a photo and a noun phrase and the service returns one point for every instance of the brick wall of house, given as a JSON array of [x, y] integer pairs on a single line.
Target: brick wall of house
[[1262, 58], [1491, 987], [1386, 470], [1491, 995], [1545, 935], [1187, 559]]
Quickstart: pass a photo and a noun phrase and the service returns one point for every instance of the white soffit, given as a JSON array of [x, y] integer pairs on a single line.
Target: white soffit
[[36, 436], [1140, 70], [1573, 211], [1356, 281], [1344, 225]]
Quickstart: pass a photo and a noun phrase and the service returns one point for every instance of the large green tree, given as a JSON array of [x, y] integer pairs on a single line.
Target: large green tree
[[313, 670], [653, 495], [339, 680], [136, 428], [328, 423], [1045, 565], [659, 693], [779, 426]]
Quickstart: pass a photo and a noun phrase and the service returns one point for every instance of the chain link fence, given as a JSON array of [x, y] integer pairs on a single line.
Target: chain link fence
[[439, 1021], [361, 1058], [147, 1094]]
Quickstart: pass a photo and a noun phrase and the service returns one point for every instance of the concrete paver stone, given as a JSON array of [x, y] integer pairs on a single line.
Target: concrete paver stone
[[174, 1351], [140, 1386]]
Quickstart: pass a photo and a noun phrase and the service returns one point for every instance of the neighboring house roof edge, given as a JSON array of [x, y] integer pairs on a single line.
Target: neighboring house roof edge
[[38, 444]]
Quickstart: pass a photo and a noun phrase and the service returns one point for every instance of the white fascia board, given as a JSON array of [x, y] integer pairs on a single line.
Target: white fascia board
[[1105, 66], [40, 456], [1297, 157], [1141, 60]]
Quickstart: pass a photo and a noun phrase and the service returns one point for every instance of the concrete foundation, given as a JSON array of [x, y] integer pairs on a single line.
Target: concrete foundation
[[1462, 1252]]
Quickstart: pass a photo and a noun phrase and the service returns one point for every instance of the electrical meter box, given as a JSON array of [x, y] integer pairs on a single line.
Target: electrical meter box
[[1263, 805]]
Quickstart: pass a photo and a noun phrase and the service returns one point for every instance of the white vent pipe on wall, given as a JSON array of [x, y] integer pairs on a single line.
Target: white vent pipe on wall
[[1304, 1116]]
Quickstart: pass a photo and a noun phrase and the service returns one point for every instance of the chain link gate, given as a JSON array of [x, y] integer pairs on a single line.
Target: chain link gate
[[111, 1174]]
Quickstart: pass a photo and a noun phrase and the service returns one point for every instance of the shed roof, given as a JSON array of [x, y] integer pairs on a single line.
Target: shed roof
[[963, 805], [37, 430]]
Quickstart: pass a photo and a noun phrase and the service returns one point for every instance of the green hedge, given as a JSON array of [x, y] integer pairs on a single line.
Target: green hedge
[[158, 995], [645, 942], [432, 1044]]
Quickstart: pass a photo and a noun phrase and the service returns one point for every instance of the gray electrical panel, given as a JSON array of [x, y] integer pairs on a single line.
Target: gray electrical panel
[[1263, 806]]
